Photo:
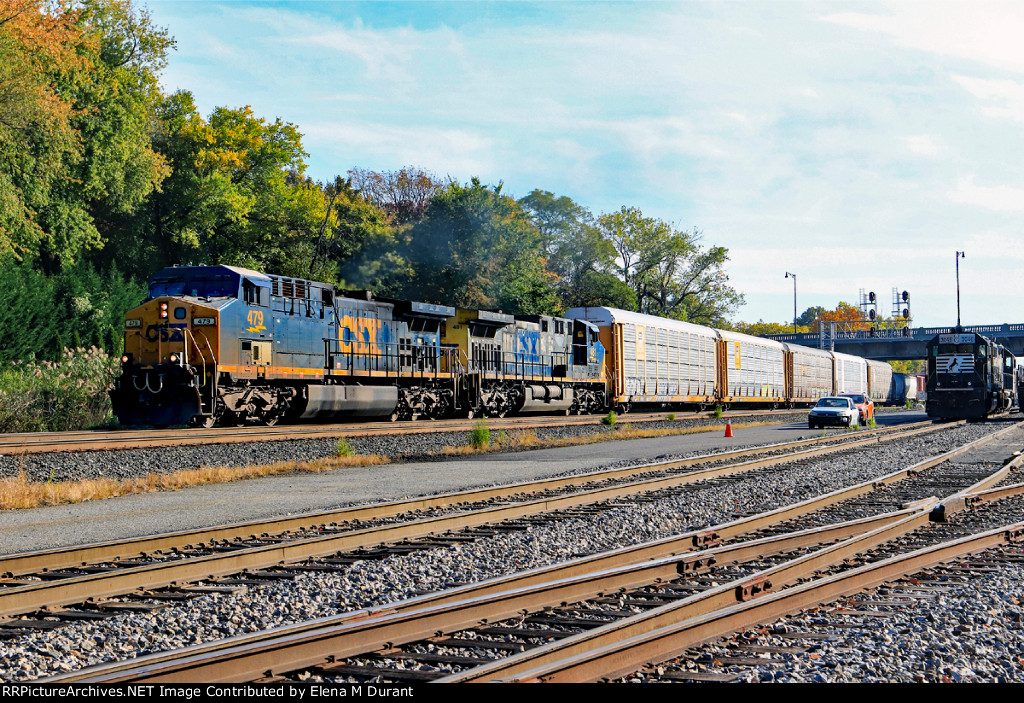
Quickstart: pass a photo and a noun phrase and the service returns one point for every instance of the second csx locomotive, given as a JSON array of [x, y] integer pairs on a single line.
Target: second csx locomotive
[[969, 377], [226, 344]]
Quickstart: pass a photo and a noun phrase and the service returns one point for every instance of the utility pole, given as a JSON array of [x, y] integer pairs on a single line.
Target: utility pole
[[793, 276], [959, 255]]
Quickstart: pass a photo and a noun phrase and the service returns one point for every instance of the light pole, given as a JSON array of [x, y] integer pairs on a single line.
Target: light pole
[[959, 255], [793, 276]]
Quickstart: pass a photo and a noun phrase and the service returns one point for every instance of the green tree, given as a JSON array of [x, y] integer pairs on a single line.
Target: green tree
[[236, 193], [116, 101], [581, 258], [354, 246], [476, 247], [809, 316], [670, 272], [40, 315]]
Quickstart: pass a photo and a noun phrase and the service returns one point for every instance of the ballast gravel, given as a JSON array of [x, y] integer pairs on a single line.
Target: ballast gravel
[[426, 446], [372, 583], [973, 632]]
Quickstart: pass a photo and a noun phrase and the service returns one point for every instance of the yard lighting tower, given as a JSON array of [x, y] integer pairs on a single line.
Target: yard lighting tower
[[959, 255], [793, 276]]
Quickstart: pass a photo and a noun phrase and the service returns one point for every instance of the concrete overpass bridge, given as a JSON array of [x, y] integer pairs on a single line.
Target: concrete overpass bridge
[[895, 344]]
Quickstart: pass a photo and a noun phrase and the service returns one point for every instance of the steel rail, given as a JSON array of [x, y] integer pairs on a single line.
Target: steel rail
[[629, 654], [67, 557], [210, 653], [85, 440], [203, 659], [958, 501], [248, 657]]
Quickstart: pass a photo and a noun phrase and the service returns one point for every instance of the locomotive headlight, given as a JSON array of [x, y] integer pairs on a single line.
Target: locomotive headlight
[[126, 359], [133, 323], [163, 309], [173, 358]]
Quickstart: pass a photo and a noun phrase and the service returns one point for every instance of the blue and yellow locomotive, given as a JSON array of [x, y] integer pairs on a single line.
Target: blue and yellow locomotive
[[226, 344]]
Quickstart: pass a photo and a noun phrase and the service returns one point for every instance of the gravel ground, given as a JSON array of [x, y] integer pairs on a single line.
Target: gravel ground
[[129, 463], [971, 633], [395, 578]]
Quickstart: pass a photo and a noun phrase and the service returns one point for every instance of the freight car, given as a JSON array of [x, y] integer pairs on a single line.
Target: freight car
[[969, 377], [652, 360]]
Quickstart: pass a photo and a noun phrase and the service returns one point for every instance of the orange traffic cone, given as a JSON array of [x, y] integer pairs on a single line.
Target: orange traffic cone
[[728, 428]]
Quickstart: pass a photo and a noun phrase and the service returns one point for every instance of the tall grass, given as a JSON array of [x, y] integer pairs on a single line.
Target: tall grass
[[50, 396], [480, 437], [21, 492]]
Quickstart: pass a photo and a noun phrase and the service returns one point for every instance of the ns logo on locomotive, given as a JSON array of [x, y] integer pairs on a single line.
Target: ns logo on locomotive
[[221, 344]]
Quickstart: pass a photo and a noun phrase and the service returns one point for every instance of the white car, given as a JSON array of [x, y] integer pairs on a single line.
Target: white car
[[833, 410]]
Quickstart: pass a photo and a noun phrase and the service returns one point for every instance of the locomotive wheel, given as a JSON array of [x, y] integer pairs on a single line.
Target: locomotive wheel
[[204, 421]]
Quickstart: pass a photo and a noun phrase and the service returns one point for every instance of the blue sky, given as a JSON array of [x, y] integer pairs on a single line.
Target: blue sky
[[855, 144]]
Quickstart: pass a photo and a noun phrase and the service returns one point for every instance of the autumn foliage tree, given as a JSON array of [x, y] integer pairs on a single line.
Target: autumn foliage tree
[[845, 313], [78, 88], [38, 144], [403, 194]]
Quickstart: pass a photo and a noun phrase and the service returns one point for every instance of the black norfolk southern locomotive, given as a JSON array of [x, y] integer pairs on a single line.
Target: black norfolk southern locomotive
[[225, 344], [969, 377]]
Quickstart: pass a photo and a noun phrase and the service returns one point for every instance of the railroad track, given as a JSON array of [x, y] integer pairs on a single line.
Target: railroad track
[[232, 556], [405, 633], [46, 442]]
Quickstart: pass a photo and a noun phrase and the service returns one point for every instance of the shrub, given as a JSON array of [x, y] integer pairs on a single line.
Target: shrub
[[872, 424], [717, 411], [480, 438], [670, 417], [344, 447], [609, 419], [49, 396]]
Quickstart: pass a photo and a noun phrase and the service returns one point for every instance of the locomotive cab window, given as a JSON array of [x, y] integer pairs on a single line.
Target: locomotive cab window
[[253, 294]]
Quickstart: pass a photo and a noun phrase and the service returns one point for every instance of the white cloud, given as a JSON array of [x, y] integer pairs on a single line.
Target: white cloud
[[987, 31], [1005, 97], [458, 152], [924, 145], [998, 198]]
